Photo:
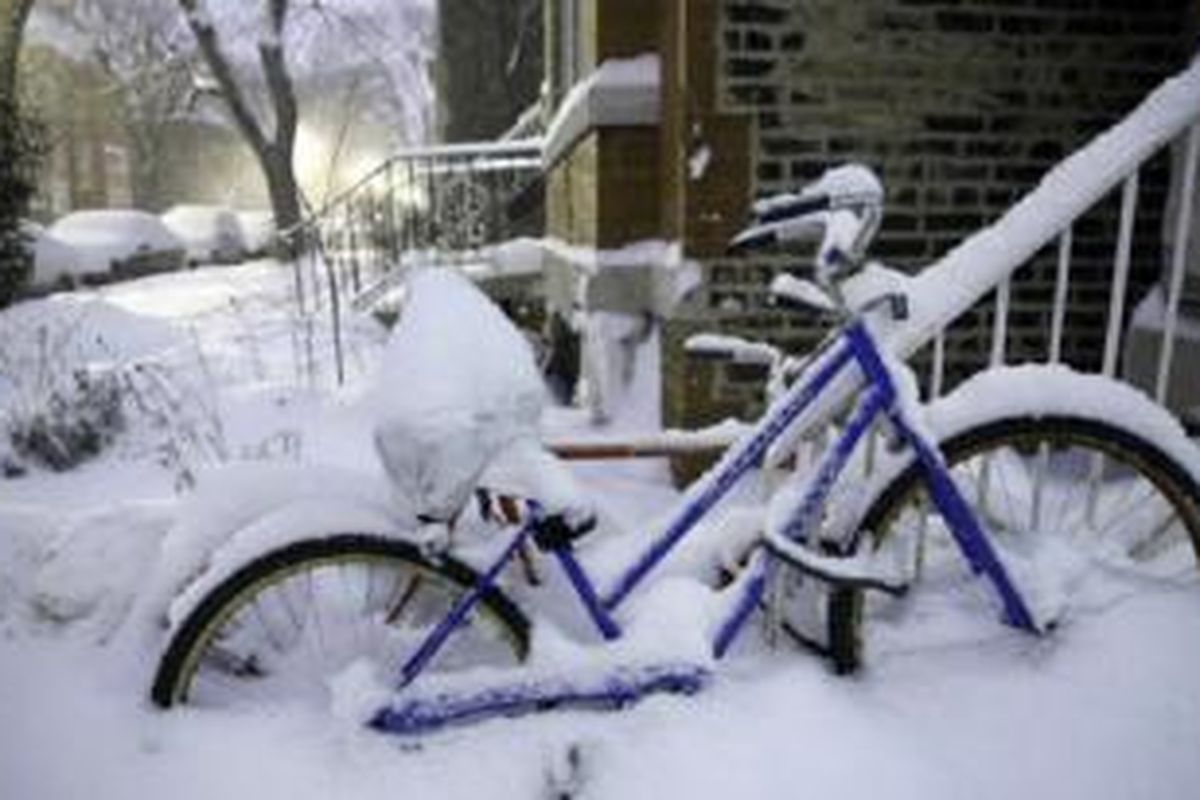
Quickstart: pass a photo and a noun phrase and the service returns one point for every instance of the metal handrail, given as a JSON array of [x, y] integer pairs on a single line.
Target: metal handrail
[[445, 199], [526, 152], [990, 260]]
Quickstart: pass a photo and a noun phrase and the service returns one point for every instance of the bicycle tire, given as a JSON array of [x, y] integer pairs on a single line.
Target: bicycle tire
[[1134, 457], [199, 648]]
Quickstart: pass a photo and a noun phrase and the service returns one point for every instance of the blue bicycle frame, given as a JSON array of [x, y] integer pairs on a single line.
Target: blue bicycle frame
[[854, 346]]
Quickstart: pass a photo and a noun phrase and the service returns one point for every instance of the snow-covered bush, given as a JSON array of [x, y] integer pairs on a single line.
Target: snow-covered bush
[[75, 372], [80, 414], [182, 429], [59, 404]]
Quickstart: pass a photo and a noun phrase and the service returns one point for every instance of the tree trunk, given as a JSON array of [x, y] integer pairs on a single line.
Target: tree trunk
[[273, 150], [285, 196], [13, 16]]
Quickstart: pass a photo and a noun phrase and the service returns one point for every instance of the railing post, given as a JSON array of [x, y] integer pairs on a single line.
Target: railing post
[[1183, 233], [1000, 323], [1116, 303], [937, 381], [1062, 279]]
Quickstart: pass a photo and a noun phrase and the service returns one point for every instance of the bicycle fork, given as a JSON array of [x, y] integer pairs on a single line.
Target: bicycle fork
[[968, 534], [964, 526], [972, 542]]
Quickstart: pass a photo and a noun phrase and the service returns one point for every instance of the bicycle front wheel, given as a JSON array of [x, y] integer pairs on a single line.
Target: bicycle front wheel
[[286, 625], [1092, 509]]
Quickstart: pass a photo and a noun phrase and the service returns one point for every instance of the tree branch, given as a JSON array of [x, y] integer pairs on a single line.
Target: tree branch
[[210, 47], [279, 81]]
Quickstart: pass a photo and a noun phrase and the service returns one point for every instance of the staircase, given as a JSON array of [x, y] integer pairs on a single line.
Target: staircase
[[449, 204], [454, 205]]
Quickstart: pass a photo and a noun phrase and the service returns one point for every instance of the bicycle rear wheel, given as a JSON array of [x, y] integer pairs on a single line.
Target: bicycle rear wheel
[[287, 624], [1086, 504]]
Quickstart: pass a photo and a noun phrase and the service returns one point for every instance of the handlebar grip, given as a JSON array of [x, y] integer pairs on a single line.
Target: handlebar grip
[[786, 209]]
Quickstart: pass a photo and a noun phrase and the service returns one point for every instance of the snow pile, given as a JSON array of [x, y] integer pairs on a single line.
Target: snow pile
[[457, 383], [89, 574], [23, 532], [82, 328]]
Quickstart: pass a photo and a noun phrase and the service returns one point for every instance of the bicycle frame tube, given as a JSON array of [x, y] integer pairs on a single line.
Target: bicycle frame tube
[[746, 455], [975, 546], [856, 346], [880, 398], [447, 625], [877, 399]]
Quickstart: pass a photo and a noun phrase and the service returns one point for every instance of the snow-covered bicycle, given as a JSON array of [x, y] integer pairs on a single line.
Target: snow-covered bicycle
[[1028, 482]]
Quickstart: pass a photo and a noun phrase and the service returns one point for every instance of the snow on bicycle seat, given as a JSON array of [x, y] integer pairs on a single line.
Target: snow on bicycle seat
[[457, 385]]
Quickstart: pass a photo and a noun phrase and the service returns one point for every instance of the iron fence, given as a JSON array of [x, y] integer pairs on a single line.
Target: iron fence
[[444, 204]]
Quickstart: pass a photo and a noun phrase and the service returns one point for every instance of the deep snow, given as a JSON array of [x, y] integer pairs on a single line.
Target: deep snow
[[1108, 707]]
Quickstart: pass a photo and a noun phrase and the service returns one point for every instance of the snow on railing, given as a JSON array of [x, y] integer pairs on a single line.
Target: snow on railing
[[446, 202], [989, 260]]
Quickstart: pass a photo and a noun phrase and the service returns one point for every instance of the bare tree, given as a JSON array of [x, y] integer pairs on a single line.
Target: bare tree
[[273, 146], [146, 51]]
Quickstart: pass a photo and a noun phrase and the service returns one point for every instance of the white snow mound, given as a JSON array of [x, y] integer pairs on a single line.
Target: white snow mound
[[458, 383]]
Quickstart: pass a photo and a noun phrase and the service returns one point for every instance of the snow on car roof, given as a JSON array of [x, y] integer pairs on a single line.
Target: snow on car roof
[[115, 225]]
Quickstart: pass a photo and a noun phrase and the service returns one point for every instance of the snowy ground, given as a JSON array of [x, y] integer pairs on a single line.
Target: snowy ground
[[1109, 707]]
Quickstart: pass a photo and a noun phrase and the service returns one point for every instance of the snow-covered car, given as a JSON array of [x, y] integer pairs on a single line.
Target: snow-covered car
[[211, 234], [121, 242], [258, 231], [55, 263]]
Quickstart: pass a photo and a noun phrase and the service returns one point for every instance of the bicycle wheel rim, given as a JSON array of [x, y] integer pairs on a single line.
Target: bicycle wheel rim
[[288, 626], [1118, 514]]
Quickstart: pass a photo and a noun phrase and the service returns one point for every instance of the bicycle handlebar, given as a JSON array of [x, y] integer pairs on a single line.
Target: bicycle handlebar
[[778, 209]]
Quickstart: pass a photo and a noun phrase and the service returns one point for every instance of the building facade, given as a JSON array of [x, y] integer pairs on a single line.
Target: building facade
[[960, 106]]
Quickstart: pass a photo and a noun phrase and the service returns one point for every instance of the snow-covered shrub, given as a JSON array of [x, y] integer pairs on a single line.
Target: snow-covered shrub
[[183, 429], [80, 414], [58, 406], [76, 371]]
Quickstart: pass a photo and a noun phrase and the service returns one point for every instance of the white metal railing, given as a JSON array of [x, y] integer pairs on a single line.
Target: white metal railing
[[989, 261]]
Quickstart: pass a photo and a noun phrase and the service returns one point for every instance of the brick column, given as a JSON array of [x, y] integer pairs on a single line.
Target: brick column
[[706, 157]]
